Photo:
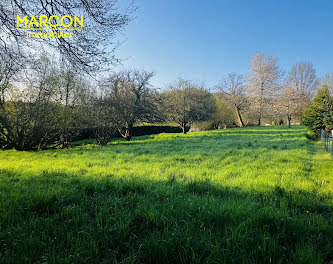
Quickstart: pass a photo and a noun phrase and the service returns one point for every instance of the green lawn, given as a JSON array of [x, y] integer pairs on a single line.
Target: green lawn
[[246, 195]]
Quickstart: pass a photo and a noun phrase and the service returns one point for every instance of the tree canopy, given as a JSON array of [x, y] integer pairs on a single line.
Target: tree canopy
[[185, 103], [320, 112]]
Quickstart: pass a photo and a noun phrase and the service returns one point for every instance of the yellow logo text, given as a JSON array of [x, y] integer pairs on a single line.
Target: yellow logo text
[[54, 23]]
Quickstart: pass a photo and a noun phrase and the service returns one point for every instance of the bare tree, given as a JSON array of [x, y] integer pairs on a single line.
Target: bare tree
[[298, 89], [8, 70], [185, 103], [327, 80], [103, 120], [90, 49], [48, 108], [73, 95], [263, 82], [29, 118], [233, 90], [302, 78]]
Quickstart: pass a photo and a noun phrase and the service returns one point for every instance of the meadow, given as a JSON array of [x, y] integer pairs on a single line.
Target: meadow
[[243, 195]]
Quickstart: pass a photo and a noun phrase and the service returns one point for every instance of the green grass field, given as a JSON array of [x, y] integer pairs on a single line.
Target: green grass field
[[245, 195]]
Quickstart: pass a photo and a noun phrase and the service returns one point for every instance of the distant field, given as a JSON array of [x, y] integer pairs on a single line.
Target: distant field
[[241, 195]]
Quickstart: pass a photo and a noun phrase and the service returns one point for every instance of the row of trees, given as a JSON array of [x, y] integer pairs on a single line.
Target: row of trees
[[269, 94], [55, 103]]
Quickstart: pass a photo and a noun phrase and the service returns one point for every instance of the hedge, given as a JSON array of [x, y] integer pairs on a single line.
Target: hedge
[[89, 133]]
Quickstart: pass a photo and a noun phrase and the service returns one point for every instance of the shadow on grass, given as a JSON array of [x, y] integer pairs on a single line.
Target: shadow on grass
[[63, 218], [244, 131], [219, 141], [202, 146]]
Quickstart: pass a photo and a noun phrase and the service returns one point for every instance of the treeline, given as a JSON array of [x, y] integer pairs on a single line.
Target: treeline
[[54, 104]]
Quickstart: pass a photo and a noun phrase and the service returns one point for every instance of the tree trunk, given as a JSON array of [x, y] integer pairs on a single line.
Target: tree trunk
[[241, 123], [261, 103], [128, 136], [289, 121], [128, 132], [184, 128]]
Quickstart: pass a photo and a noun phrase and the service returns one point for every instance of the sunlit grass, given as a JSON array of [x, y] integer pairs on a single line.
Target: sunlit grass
[[236, 195]]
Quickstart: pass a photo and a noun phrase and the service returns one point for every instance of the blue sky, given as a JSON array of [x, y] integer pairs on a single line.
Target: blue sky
[[204, 40]]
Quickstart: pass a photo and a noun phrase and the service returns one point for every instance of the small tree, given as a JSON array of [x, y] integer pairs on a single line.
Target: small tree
[[319, 114], [233, 91], [185, 103], [131, 99]]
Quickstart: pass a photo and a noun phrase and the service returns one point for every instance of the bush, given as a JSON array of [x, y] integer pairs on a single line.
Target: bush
[[311, 135], [203, 126], [150, 130], [142, 130], [319, 114]]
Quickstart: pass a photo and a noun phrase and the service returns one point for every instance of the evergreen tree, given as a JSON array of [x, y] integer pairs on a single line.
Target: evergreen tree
[[319, 115]]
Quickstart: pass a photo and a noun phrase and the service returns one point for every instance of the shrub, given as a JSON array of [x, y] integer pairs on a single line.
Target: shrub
[[319, 115], [142, 130]]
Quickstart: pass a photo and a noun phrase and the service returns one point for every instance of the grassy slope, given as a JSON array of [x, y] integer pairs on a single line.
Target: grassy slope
[[235, 196]]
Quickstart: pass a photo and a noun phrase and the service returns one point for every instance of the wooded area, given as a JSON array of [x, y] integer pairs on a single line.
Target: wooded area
[[54, 103]]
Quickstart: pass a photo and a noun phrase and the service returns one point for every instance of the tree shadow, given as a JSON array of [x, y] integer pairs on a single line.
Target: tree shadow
[[69, 218]]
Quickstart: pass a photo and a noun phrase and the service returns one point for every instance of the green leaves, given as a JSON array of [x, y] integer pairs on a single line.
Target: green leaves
[[319, 115]]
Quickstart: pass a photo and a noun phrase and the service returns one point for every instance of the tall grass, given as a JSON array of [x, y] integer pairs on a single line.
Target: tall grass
[[246, 195]]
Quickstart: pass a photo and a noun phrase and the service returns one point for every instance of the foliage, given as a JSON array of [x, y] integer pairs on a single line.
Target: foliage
[[131, 99], [49, 109], [143, 130], [319, 114], [244, 195], [186, 103], [224, 115], [28, 125], [138, 130], [311, 135]]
